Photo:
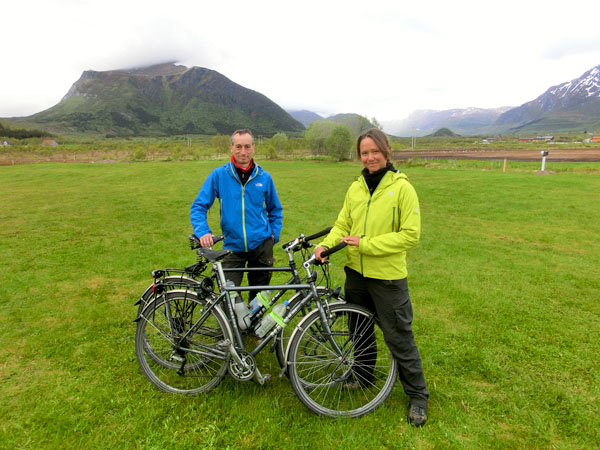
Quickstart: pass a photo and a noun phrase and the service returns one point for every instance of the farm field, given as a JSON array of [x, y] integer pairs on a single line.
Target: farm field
[[504, 285], [554, 154]]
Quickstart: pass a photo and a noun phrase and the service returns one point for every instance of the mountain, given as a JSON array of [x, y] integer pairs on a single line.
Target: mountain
[[355, 122], [570, 106], [443, 132], [164, 99], [469, 121], [573, 105], [304, 117]]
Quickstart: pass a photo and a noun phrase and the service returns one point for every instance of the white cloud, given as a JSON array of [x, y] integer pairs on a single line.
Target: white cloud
[[377, 58]]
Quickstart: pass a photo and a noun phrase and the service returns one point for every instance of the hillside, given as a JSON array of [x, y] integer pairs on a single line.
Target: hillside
[[304, 117], [467, 122], [443, 132], [570, 106], [355, 122], [165, 99]]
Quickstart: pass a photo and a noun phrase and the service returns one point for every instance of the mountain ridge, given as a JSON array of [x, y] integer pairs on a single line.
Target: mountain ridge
[[573, 103], [463, 121], [163, 99], [167, 99]]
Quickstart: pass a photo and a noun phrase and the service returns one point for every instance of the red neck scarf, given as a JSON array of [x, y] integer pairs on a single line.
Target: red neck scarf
[[244, 170]]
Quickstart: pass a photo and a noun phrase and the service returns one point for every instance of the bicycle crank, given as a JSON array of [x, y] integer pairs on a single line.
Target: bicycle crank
[[242, 366]]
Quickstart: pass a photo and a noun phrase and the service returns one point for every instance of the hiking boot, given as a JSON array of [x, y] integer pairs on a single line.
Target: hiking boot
[[417, 415]]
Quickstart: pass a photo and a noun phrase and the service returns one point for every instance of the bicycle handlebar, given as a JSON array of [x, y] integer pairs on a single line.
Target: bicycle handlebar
[[195, 241], [317, 235], [333, 249], [313, 259], [303, 241]]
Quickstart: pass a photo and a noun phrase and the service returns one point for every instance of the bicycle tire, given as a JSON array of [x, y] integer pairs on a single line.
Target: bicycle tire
[[282, 342], [351, 384], [156, 356], [177, 369]]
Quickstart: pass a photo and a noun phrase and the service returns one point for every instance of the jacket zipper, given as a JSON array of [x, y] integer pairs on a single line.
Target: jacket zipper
[[244, 219], [244, 209], [362, 269], [235, 176]]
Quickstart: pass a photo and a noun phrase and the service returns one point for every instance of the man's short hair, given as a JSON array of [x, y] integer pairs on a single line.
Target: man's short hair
[[242, 131]]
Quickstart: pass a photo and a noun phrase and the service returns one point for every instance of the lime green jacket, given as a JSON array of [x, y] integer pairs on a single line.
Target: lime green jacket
[[388, 223]]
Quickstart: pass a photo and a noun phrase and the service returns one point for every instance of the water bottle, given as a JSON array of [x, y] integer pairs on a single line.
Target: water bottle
[[239, 306], [269, 321], [262, 299], [241, 311]]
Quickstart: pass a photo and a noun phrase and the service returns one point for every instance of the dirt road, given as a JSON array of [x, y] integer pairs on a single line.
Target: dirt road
[[558, 154]]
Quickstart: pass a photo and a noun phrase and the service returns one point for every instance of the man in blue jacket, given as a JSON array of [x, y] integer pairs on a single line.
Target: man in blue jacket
[[251, 213]]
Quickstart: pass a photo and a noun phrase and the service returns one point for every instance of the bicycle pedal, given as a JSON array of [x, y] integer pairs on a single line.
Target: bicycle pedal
[[262, 379], [266, 378]]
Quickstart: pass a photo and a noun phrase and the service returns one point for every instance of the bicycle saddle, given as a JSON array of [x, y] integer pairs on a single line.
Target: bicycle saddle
[[213, 255]]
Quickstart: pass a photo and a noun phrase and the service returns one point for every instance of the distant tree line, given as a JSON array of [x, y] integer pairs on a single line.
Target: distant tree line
[[20, 133], [332, 138], [337, 139]]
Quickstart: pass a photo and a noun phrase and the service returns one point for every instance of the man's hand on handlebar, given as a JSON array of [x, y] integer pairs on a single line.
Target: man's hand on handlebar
[[206, 240]]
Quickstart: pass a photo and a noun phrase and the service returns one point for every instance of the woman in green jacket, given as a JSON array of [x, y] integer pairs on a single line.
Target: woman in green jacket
[[380, 220]]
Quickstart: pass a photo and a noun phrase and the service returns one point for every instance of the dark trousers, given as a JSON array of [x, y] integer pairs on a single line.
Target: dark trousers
[[261, 256], [390, 301]]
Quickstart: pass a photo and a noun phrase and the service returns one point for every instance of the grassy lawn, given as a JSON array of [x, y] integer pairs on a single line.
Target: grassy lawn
[[505, 287]]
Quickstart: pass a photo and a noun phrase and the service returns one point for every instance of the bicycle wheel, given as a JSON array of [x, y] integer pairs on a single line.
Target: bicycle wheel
[[285, 334], [350, 380], [172, 362], [183, 366]]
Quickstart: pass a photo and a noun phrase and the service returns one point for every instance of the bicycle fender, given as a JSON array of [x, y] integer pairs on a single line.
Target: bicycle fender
[[172, 279]]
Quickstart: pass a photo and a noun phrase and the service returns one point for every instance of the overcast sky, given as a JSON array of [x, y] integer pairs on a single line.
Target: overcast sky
[[381, 59]]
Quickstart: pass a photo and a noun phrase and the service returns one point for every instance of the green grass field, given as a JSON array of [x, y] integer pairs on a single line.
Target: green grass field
[[505, 287]]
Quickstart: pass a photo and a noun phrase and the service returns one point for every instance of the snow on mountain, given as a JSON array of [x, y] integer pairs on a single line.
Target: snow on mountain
[[563, 99], [588, 85]]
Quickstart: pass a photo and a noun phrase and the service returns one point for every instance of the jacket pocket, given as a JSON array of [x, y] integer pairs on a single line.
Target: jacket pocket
[[256, 194]]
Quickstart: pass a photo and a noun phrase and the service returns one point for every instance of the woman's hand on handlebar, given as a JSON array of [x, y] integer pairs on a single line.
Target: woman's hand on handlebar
[[346, 240], [318, 252]]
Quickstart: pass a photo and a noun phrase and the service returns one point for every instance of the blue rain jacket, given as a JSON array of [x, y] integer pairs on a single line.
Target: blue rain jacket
[[250, 213]]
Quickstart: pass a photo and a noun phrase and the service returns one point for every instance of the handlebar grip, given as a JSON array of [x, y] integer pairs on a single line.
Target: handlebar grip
[[333, 249], [195, 240], [317, 235], [286, 245]]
